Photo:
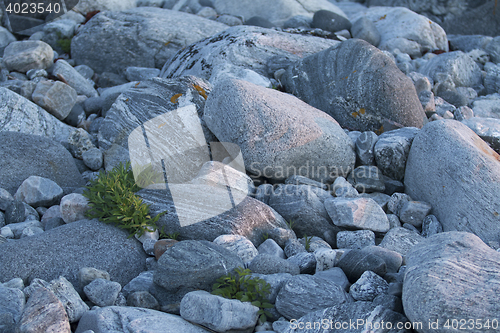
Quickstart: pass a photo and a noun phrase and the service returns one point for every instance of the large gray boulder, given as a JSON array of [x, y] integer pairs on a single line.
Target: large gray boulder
[[112, 319], [405, 30], [241, 52], [144, 37], [147, 100], [18, 114], [457, 65], [304, 293], [356, 84], [250, 218], [275, 11], [279, 135], [488, 129], [480, 18], [21, 157], [451, 168], [345, 318], [454, 274], [193, 265], [85, 6], [85, 243], [303, 206]]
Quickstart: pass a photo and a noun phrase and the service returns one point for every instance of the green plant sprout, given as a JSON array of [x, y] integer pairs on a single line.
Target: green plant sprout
[[307, 241], [112, 200], [242, 286]]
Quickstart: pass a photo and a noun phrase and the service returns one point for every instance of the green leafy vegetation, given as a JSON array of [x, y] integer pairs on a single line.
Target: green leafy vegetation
[[265, 236], [291, 224], [112, 200], [242, 286], [65, 44], [168, 235]]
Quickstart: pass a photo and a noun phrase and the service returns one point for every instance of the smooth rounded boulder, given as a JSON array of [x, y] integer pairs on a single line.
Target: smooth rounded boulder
[[456, 276], [278, 134], [358, 85], [455, 171]]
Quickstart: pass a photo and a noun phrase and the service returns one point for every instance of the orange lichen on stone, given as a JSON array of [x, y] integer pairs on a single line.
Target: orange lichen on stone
[[201, 91], [175, 98], [362, 111], [380, 130], [383, 17]]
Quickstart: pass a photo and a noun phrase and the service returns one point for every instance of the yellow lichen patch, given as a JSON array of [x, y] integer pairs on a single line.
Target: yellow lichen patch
[[362, 111], [354, 114], [126, 100], [496, 214], [380, 130], [161, 125], [167, 43], [354, 71], [430, 22], [200, 91], [382, 17], [138, 83], [175, 98]]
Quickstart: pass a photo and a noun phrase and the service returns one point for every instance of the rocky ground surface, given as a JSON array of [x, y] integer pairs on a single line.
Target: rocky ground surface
[[360, 151]]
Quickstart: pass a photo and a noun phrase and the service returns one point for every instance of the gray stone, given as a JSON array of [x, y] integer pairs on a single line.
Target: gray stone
[[148, 100], [392, 149], [368, 286], [357, 213], [365, 29], [369, 315], [36, 73], [380, 198], [143, 299], [292, 247], [371, 106], [397, 201], [190, 265], [5, 199], [238, 245], [269, 264], [229, 20], [153, 38], [305, 261], [12, 302], [315, 243], [89, 274], [300, 204], [241, 52], [403, 29], [218, 313], [259, 21], [276, 12], [303, 293], [30, 212], [288, 155], [18, 228], [6, 233], [74, 79], [471, 203], [109, 79], [343, 189], [70, 299], [464, 72], [365, 147], [31, 231], [141, 73], [73, 207], [450, 271], [79, 141], [401, 240], [355, 239], [269, 246], [25, 55], [54, 211], [336, 275], [443, 107], [34, 285], [2, 219], [6, 37], [263, 193], [414, 212], [431, 226], [368, 179], [330, 21], [390, 302], [38, 191], [93, 158], [140, 283], [44, 313], [134, 320], [76, 116], [355, 262], [18, 114], [102, 292], [80, 244], [468, 43], [301, 180], [393, 260], [487, 106], [276, 281], [488, 129], [250, 218], [297, 21], [85, 71], [17, 283], [55, 31], [327, 258], [480, 20], [15, 212]]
